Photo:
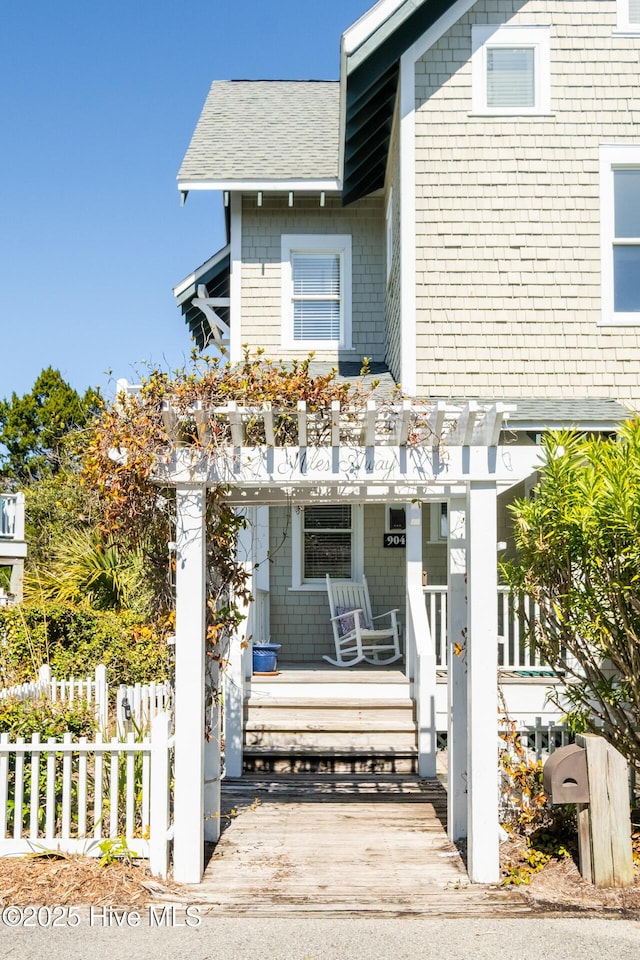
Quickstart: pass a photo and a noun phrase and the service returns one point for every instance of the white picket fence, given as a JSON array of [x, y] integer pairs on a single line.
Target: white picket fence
[[71, 797], [93, 691], [139, 703]]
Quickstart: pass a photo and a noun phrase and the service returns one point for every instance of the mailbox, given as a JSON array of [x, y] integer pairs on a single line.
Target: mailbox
[[565, 775]]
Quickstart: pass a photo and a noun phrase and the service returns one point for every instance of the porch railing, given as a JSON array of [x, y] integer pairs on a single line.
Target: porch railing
[[12, 516], [514, 652]]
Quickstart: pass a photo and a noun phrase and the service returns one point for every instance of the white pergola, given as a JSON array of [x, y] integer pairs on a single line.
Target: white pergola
[[381, 452]]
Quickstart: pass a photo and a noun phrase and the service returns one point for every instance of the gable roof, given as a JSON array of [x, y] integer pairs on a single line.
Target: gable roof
[[265, 130]]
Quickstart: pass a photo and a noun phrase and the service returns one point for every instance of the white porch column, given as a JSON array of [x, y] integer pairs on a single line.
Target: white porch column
[[420, 646], [188, 846], [457, 670], [482, 682], [261, 580], [233, 671]]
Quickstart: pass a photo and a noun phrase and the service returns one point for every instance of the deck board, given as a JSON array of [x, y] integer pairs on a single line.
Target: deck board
[[335, 846]]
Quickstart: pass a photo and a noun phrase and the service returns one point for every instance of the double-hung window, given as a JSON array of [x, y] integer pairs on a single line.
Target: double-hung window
[[327, 539], [620, 234], [510, 69], [316, 291], [629, 16]]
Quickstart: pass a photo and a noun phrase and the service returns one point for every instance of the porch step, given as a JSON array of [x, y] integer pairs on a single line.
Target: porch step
[[318, 711], [347, 724], [323, 763], [331, 684], [332, 740], [392, 787], [325, 721]]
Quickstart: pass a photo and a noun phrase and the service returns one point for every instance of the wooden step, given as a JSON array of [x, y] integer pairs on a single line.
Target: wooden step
[[327, 685], [318, 711], [360, 726], [322, 762], [302, 787], [364, 740]]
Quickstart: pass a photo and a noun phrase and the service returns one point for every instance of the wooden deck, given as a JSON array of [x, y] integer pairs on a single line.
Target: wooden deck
[[304, 846]]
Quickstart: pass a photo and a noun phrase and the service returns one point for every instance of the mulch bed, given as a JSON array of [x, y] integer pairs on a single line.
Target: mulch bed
[[75, 880], [559, 886]]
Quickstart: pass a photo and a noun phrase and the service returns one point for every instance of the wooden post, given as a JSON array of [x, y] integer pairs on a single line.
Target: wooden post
[[457, 671], [604, 827], [188, 846], [482, 682]]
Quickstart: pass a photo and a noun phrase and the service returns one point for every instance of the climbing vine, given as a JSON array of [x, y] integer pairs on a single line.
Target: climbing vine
[[140, 432]]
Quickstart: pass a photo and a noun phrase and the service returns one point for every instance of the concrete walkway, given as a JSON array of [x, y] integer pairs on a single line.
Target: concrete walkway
[[334, 847]]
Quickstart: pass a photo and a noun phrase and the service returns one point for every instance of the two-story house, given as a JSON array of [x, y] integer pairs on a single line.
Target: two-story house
[[463, 208]]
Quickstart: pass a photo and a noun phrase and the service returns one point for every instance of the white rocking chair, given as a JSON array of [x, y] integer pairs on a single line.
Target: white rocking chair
[[355, 636]]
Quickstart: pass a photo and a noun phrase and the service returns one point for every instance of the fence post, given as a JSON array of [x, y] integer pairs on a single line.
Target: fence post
[[159, 810], [44, 678], [604, 826], [102, 696]]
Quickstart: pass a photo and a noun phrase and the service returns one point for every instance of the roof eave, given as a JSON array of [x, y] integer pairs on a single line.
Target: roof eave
[[328, 185], [181, 288]]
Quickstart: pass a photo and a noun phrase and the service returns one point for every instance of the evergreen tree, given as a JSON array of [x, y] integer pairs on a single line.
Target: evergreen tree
[[33, 428]]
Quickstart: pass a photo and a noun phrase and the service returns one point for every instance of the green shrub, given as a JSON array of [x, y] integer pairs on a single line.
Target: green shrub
[[23, 718], [75, 639]]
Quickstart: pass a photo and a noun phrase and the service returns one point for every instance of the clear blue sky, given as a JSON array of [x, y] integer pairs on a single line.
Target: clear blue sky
[[98, 100]]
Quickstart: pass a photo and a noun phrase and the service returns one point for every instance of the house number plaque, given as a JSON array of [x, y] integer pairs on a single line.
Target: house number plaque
[[395, 540]]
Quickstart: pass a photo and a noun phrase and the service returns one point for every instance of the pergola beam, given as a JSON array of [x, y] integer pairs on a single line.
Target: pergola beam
[[432, 469]]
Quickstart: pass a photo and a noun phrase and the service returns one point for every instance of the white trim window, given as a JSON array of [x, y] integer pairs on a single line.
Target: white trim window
[[510, 68], [629, 16], [327, 539], [316, 291], [620, 234]]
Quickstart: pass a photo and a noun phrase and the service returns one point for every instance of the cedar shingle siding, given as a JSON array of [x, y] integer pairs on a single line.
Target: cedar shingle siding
[[508, 221]]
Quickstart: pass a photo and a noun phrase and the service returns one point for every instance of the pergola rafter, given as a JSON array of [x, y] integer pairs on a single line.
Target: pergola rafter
[[372, 423]]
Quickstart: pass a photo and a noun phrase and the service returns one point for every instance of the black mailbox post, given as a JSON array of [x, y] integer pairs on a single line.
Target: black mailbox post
[[564, 776]]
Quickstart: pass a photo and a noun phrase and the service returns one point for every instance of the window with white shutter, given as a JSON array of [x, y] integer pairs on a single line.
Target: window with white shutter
[[316, 291], [510, 69]]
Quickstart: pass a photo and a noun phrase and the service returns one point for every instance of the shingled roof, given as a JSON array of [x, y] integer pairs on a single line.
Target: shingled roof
[[265, 130]]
